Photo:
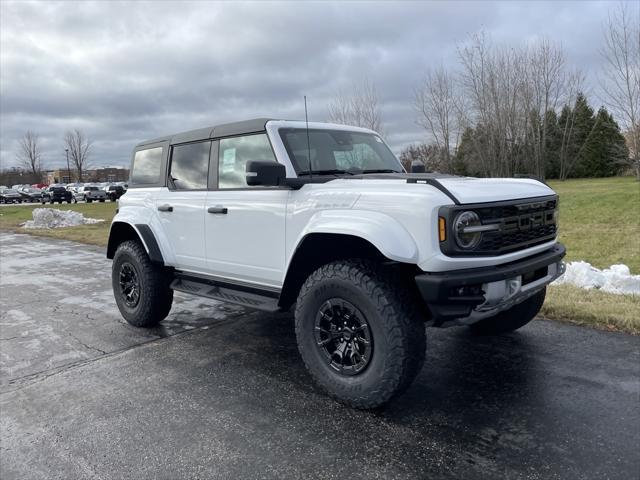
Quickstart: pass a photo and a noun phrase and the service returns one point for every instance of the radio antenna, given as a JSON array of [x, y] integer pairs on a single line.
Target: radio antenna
[[306, 119]]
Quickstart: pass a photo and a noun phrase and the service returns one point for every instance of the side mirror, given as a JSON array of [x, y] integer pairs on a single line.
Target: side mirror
[[265, 173], [417, 167]]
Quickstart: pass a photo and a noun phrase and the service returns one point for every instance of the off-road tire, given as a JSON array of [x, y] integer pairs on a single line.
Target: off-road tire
[[155, 296], [514, 318], [396, 326]]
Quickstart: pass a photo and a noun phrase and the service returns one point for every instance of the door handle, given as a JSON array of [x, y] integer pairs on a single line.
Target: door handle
[[165, 208], [222, 210]]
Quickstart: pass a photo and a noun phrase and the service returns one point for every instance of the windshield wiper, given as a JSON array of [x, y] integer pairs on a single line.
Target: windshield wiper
[[355, 171], [325, 172]]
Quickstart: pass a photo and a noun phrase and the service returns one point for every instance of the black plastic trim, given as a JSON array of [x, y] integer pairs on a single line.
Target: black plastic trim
[[155, 255], [436, 184], [230, 284], [435, 286]]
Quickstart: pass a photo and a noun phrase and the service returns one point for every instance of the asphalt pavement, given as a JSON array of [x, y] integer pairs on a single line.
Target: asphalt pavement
[[220, 392]]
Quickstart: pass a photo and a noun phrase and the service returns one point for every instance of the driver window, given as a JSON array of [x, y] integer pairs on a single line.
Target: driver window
[[233, 156]]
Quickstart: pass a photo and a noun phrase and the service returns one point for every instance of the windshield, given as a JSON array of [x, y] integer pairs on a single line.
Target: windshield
[[9, 190], [91, 189], [338, 151]]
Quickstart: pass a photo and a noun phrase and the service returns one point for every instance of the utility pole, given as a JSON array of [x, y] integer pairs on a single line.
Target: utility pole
[[68, 169]]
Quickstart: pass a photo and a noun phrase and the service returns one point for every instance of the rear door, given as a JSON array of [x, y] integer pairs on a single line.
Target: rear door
[[181, 204], [244, 226]]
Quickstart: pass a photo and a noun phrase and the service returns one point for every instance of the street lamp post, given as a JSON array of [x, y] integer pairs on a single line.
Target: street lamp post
[[68, 169]]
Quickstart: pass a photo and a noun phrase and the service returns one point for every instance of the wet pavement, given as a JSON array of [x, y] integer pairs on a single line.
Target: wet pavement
[[220, 392]]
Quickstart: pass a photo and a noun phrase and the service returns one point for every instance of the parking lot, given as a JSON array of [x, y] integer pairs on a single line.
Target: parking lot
[[220, 392]]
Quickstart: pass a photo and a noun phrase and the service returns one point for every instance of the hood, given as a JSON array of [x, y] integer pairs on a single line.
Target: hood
[[466, 190]]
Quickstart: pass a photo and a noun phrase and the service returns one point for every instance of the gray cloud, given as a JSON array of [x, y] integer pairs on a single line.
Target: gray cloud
[[124, 72]]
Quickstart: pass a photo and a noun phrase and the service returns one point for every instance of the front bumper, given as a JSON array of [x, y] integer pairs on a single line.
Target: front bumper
[[467, 296]]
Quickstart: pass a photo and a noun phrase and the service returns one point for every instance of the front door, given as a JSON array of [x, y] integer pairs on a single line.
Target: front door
[[181, 206], [245, 226]]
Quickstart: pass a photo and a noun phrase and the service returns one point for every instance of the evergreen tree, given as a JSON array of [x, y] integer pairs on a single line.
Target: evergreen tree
[[553, 145], [606, 150]]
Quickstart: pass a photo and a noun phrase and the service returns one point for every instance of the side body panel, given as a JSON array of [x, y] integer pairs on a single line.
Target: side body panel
[[247, 243], [183, 225]]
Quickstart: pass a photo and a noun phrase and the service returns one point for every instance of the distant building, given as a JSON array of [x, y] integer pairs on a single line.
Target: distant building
[[107, 174], [111, 174]]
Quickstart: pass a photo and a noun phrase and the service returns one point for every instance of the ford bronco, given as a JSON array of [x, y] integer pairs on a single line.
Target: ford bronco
[[272, 214]]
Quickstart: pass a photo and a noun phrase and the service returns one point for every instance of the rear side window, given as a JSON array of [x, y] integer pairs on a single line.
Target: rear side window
[[147, 166], [190, 166], [234, 154]]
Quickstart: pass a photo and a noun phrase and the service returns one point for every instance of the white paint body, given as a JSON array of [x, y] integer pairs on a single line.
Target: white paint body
[[256, 240]]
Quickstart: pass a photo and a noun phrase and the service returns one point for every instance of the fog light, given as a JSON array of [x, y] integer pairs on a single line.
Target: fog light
[[513, 286]]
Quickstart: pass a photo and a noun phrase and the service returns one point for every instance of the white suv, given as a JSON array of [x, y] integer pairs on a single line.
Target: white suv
[[271, 213]]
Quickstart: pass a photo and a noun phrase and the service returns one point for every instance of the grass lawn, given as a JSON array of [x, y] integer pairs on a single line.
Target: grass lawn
[[599, 223], [96, 234], [600, 220]]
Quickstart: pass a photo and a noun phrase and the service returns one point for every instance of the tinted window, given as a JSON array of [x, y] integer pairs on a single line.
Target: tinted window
[[234, 154], [190, 166], [146, 166]]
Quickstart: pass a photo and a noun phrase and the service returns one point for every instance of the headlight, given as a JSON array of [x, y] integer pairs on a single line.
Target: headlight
[[466, 235]]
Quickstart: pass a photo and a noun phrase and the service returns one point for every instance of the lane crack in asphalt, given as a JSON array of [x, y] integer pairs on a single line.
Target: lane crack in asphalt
[[37, 377]]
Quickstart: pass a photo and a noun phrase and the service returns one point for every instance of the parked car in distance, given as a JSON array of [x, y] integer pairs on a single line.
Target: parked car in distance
[[114, 192], [9, 195], [92, 193], [56, 193], [30, 194]]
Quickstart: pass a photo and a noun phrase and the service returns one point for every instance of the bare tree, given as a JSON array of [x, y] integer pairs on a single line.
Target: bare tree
[[493, 80], [621, 78], [438, 106], [566, 159], [545, 85], [358, 107], [79, 147], [29, 153]]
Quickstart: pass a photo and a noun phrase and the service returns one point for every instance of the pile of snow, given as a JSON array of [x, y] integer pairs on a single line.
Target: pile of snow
[[615, 279], [52, 218]]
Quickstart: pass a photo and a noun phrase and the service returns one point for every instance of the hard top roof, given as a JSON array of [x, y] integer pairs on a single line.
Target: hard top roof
[[222, 130]]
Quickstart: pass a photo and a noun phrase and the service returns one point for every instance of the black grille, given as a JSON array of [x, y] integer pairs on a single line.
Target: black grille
[[521, 224]]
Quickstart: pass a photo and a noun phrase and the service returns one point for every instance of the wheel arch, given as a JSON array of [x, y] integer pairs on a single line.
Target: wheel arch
[[317, 249], [123, 231]]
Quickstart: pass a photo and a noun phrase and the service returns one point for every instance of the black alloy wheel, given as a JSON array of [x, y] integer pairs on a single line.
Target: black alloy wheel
[[129, 285], [343, 335]]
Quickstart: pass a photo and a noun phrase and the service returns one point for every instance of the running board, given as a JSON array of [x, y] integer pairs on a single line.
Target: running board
[[229, 292]]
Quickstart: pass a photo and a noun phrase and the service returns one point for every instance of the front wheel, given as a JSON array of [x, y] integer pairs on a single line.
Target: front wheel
[[141, 289], [89, 200], [514, 318], [102, 200], [359, 332]]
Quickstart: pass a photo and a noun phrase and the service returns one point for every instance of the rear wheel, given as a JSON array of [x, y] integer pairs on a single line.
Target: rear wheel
[[514, 318], [359, 333], [89, 200], [141, 288]]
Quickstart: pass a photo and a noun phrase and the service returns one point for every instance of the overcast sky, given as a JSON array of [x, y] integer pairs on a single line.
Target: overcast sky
[[125, 72]]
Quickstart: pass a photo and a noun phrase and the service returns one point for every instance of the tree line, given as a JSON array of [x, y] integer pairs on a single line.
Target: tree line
[[507, 110], [77, 147]]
